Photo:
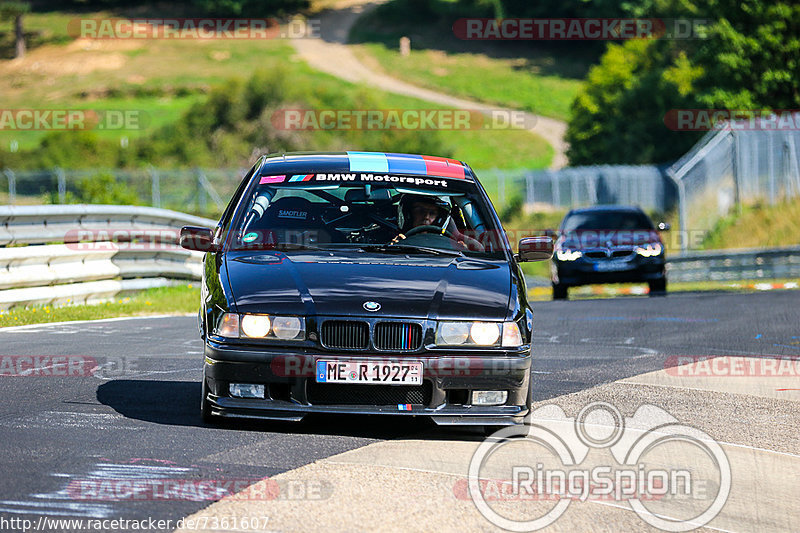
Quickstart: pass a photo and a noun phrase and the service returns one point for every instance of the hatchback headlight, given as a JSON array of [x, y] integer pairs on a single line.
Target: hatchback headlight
[[478, 333], [568, 255], [649, 250], [285, 328]]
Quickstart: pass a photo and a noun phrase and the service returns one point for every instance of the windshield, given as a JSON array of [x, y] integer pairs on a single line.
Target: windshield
[[607, 220], [407, 214]]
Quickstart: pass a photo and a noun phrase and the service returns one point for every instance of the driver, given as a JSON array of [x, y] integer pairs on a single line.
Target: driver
[[418, 210]]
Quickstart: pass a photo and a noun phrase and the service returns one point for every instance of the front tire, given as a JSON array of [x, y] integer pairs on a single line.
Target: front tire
[[658, 287], [560, 291], [205, 406]]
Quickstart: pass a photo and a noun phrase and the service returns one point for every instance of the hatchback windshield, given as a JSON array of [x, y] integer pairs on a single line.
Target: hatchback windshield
[[607, 220], [364, 215]]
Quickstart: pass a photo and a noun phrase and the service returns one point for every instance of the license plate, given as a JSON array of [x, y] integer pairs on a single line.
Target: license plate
[[610, 267], [370, 372]]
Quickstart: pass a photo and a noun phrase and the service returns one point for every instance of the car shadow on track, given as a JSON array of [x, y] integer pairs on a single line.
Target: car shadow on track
[[177, 403]]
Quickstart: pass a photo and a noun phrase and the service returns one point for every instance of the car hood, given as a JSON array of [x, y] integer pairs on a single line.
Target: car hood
[[607, 238], [327, 283]]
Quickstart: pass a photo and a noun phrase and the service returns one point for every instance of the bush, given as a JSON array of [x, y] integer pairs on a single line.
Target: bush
[[99, 189]]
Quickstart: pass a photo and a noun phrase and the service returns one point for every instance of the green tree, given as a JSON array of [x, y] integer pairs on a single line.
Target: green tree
[[749, 58]]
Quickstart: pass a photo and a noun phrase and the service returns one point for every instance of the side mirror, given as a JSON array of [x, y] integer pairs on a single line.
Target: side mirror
[[199, 239], [664, 226], [535, 249]]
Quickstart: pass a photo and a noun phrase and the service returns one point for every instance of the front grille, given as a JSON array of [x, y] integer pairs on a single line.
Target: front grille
[[345, 334], [595, 255], [397, 336], [621, 253], [383, 395]]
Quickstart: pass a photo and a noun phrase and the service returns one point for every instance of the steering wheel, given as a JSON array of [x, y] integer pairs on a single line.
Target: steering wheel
[[430, 228]]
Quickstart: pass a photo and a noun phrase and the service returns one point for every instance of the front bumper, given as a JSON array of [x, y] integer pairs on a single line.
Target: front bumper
[[292, 393], [630, 270]]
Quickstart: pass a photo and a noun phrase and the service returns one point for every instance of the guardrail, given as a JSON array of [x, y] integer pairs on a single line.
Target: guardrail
[[732, 265], [84, 253], [58, 254]]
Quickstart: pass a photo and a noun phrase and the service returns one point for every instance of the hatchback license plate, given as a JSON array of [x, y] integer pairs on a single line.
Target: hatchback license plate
[[370, 372], [610, 267]]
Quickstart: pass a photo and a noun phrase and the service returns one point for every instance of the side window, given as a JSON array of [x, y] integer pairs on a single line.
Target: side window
[[225, 219]]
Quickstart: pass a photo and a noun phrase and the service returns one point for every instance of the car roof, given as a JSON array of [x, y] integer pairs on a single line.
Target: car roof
[[353, 161], [607, 209]]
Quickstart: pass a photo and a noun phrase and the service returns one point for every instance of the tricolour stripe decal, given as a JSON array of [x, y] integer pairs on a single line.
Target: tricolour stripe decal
[[448, 168], [368, 162], [406, 164], [301, 177]]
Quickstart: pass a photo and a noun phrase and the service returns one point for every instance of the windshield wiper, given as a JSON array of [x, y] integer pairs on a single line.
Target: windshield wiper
[[405, 248]]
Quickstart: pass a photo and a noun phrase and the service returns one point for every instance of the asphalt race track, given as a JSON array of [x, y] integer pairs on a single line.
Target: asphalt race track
[[138, 418]]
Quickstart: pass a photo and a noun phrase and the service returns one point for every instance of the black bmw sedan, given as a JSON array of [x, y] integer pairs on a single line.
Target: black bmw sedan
[[608, 244], [364, 282]]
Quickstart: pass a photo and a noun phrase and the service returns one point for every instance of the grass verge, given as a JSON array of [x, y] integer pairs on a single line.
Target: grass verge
[[757, 226], [178, 299], [504, 82]]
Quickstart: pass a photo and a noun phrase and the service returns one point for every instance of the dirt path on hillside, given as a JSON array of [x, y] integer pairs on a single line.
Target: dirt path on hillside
[[330, 54]]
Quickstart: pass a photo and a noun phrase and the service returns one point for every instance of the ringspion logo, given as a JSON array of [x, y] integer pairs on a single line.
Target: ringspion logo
[[673, 476]]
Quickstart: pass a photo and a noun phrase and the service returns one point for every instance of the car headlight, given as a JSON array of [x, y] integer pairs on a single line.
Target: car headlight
[[453, 333], [568, 255], [255, 326], [649, 250], [285, 328], [228, 325], [511, 334], [478, 334], [484, 333]]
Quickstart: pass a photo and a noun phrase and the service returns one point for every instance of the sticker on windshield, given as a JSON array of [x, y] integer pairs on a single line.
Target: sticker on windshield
[[384, 178], [271, 179], [250, 237]]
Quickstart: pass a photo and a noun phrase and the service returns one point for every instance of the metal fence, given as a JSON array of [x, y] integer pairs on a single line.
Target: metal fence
[[644, 185], [732, 167], [727, 168], [205, 191]]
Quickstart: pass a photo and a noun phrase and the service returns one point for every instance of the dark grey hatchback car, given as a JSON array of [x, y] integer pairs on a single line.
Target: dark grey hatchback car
[[608, 244]]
